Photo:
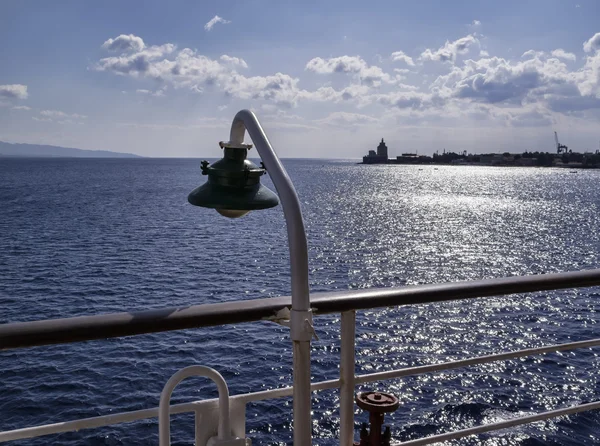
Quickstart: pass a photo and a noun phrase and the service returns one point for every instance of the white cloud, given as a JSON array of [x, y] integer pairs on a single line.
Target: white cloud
[[450, 51], [212, 22], [562, 54], [56, 114], [546, 82], [588, 78], [344, 119], [371, 76], [13, 91], [401, 57], [593, 44], [157, 93], [355, 92], [234, 61], [408, 99], [21, 107], [137, 63], [279, 88], [342, 64], [487, 85], [199, 123], [124, 42], [188, 69]]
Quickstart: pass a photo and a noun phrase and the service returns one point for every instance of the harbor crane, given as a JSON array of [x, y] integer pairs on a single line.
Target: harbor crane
[[560, 148]]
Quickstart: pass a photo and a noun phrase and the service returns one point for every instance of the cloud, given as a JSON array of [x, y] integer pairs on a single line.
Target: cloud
[[409, 99], [279, 88], [13, 91], [21, 107], [199, 123], [532, 54], [136, 63], [125, 42], [400, 56], [562, 54], [344, 119], [234, 61], [483, 86], [342, 64], [188, 69], [593, 44], [157, 93], [355, 92], [450, 51], [212, 22], [368, 75], [539, 79], [532, 118], [56, 114], [588, 78]]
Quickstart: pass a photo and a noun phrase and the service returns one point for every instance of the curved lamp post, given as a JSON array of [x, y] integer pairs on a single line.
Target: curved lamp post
[[234, 189]]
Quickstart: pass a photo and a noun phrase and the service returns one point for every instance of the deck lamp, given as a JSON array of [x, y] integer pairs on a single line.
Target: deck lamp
[[233, 188]]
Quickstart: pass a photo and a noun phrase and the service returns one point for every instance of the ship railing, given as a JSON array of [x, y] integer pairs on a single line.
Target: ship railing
[[85, 328]]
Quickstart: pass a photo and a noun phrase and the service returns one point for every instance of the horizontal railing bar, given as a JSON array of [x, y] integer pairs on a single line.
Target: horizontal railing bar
[[138, 415], [501, 425], [409, 371], [126, 417], [86, 328]]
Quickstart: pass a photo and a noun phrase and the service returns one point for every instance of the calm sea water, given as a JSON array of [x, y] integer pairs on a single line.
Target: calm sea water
[[94, 236]]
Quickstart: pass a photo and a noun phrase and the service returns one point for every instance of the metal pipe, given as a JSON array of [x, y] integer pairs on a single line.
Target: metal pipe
[[301, 317], [164, 423], [347, 364]]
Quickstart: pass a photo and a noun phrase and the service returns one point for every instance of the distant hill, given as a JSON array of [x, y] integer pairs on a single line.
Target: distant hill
[[35, 150]]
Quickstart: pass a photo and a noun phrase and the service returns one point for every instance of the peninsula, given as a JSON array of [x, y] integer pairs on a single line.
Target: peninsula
[[45, 151], [563, 157]]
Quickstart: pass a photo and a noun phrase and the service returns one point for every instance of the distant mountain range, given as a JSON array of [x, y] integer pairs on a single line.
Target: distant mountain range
[[35, 150]]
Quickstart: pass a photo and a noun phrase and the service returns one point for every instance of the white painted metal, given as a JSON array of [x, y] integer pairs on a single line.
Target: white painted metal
[[164, 422], [301, 325], [347, 364], [501, 425], [409, 371], [238, 402]]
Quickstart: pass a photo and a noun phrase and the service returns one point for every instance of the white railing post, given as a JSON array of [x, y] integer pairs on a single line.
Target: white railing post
[[347, 364]]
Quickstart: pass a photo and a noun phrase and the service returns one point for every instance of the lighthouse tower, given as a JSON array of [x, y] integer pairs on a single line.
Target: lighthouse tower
[[382, 150]]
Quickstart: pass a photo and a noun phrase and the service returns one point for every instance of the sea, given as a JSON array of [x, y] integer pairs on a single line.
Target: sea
[[93, 236]]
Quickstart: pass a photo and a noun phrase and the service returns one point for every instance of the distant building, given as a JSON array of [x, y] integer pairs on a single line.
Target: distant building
[[381, 157], [382, 149]]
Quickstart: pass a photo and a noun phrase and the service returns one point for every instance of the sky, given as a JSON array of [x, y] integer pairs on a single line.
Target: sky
[[327, 79]]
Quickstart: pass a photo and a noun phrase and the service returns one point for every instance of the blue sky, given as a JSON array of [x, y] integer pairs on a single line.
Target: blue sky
[[326, 78]]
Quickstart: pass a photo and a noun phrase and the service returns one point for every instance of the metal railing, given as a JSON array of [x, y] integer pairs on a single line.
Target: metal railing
[[29, 334]]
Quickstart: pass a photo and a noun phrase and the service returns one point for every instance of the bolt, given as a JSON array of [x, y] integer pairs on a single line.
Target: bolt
[[204, 167]]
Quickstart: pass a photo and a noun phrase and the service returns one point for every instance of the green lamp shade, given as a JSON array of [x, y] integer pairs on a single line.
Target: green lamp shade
[[229, 198]]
